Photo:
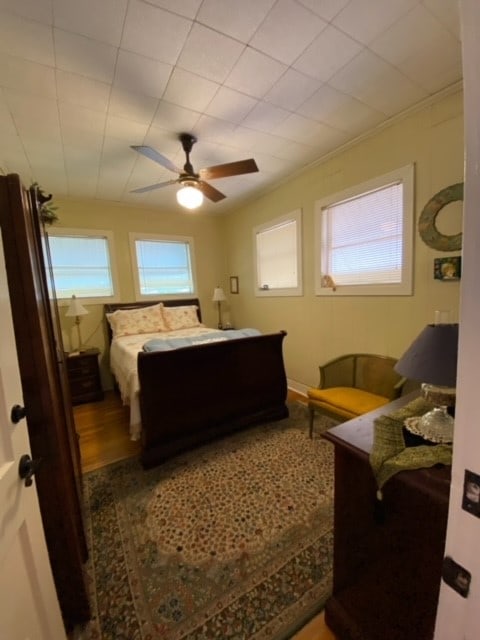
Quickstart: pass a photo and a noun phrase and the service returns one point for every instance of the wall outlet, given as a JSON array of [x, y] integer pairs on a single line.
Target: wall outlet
[[456, 576]]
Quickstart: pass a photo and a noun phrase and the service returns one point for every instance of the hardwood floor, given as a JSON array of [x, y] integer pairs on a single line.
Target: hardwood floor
[[102, 428]]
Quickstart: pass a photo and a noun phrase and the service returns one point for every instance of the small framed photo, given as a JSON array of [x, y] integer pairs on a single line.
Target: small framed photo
[[233, 284], [447, 269]]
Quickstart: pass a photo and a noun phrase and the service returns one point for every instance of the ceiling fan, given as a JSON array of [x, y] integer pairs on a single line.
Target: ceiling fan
[[188, 178]]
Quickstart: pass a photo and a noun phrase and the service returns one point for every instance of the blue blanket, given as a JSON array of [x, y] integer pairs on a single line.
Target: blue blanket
[[167, 344]]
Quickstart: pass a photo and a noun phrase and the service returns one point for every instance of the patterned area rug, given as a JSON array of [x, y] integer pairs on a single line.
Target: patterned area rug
[[232, 540]]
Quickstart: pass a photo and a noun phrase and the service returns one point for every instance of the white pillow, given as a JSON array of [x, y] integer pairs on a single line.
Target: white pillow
[[181, 317], [129, 322]]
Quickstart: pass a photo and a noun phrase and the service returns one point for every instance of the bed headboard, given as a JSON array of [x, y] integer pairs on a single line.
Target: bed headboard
[[115, 306]]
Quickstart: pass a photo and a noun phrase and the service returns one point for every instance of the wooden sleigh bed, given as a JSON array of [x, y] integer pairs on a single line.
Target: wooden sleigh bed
[[192, 394]]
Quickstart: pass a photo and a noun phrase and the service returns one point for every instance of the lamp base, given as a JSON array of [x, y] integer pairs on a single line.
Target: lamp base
[[434, 426]]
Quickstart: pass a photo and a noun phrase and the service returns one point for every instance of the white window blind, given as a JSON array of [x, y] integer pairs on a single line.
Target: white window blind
[[277, 260], [164, 267], [81, 266], [278, 256], [363, 238]]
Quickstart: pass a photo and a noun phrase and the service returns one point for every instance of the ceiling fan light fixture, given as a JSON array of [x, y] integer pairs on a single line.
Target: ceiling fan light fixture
[[189, 197]]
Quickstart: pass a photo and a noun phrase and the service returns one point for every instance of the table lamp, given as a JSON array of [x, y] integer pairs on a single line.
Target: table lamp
[[432, 360], [219, 297], [76, 309]]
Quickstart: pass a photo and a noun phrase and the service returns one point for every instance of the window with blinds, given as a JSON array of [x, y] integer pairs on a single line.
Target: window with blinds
[[364, 238], [81, 264], [164, 265], [278, 256]]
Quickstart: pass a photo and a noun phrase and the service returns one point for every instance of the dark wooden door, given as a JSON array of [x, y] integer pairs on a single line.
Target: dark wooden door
[[47, 403]]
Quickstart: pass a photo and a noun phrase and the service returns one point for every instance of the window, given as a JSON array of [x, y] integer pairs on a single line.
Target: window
[[364, 238], [81, 264], [278, 256], [163, 265]]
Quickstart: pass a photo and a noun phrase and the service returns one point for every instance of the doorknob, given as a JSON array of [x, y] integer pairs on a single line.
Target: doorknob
[[17, 413], [27, 468]]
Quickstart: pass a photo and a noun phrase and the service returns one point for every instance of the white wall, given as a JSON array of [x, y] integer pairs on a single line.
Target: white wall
[[459, 618]]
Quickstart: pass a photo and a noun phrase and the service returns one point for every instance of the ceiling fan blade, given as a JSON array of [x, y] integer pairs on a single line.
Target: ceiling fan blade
[[150, 153], [229, 169], [151, 187], [210, 192]]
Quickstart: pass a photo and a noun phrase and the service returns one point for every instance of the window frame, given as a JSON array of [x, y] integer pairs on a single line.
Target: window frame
[[133, 236], [403, 175], [296, 216], [88, 233]]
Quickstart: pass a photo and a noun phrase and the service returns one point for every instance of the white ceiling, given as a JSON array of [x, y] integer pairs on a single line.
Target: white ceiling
[[282, 81]]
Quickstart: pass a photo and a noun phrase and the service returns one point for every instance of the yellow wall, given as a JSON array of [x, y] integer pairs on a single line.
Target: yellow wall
[[321, 328], [209, 254], [318, 328]]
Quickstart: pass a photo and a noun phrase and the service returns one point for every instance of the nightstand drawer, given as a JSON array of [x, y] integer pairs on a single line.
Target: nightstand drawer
[[84, 377]]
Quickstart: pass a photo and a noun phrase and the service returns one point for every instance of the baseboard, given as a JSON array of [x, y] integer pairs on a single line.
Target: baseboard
[[298, 387]]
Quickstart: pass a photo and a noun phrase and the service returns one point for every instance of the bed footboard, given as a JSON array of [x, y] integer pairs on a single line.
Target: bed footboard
[[191, 395]]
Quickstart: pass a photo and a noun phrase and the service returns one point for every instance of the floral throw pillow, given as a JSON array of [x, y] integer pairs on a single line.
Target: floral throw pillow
[[181, 317], [131, 322]]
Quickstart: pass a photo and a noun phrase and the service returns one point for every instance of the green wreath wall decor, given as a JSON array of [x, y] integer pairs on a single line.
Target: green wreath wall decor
[[426, 223]]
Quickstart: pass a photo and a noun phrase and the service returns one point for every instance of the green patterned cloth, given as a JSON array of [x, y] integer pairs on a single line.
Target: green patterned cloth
[[390, 454]]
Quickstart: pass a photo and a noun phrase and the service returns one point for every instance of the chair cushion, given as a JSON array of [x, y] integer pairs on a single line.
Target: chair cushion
[[347, 402]]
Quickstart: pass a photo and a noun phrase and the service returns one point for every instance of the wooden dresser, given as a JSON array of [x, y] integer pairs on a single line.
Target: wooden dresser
[[84, 377], [387, 556]]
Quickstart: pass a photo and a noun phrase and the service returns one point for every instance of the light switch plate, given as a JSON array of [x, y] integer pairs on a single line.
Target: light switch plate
[[471, 493]]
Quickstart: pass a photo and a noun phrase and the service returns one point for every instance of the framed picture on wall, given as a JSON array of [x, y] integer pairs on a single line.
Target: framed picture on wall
[[447, 268], [233, 284]]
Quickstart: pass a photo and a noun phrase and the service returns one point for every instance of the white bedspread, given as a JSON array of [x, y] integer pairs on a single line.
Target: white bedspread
[[123, 364]]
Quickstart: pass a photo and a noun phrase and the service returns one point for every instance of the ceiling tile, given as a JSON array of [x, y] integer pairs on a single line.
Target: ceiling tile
[[376, 83], [286, 31], [153, 32], [436, 68], [291, 90], [328, 53], [186, 8], [265, 117], [82, 119], [304, 130], [189, 90], [267, 72], [409, 36], [26, 39], [174, 118], [123, 129], [237, 19], [101, 21], [209, 54], [326, 9], [21, 74], [143, 75], [82, 91], [132, 106], [84, 56], [37, 119], [340, 111], [213, 129], [230, 105], [38, 10], [365, 22], [447, 12]]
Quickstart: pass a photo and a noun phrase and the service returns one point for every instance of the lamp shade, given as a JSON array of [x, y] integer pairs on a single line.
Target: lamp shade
[[432, 356], [75, 308], [218, 295], [189, 197]]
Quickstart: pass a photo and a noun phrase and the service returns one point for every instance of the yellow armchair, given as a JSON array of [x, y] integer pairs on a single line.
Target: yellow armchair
[[354, 384]]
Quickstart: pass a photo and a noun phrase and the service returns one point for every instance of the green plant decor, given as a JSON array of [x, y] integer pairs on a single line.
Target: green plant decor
[[47, 208]]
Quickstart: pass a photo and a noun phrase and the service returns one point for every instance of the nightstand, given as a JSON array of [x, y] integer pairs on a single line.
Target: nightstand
[[84, 376]]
